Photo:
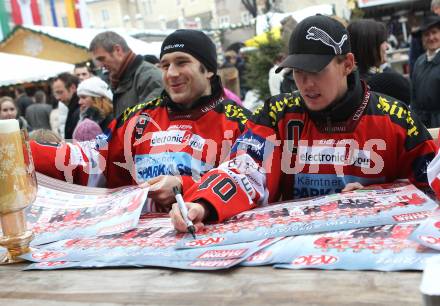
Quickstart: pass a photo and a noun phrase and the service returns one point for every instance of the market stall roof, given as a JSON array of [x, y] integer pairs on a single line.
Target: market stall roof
[[262, 24], [18, 69], [64, 44], [83, 37]]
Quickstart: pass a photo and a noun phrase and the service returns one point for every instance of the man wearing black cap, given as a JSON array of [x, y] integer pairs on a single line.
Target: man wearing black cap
[[425, 77], [167, 141], [332, 135]]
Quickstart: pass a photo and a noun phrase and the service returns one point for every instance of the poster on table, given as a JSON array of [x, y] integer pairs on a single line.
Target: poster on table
[[63, 210], [428, 233], [152, 243], [357, 209], [383, 248]]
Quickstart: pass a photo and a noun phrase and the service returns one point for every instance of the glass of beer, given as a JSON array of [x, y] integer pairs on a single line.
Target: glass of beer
[[18, 189]]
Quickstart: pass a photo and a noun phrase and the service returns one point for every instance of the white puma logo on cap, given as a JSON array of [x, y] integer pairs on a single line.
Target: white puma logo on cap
[[319, 34]]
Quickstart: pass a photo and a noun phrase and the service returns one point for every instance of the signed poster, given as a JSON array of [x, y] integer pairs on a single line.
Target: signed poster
[[152, 243], [384, 248], [342, 211], [63, 210]]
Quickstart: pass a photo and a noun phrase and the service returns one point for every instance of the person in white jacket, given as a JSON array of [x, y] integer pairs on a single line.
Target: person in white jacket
[[275, 79]]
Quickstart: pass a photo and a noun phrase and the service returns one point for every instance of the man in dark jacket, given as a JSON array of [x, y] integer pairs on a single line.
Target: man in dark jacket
[[64, 89], [38, 114], [22, 100], [425, 81], [132, 79]]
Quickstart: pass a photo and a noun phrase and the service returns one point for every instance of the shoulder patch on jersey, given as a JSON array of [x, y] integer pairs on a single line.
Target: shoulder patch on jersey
[[129, 112], [234, 112], [398, 112], [276, 107]]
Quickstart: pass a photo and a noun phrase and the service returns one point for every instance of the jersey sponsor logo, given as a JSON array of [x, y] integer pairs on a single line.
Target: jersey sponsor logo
[[396, 109], [253, 144], [308, 185], [175, 137], [169, 163], [328, 155]]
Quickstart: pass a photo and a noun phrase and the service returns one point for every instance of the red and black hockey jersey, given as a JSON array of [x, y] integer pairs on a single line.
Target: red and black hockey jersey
[[150, 139], [290, 152]]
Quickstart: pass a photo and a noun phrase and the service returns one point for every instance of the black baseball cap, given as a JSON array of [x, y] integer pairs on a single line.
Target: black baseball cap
[[314, 43], [429, 22]]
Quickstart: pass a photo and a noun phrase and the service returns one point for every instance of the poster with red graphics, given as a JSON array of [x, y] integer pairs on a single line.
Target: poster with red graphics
[[383, 248], [428, 233], [63, 211], [386, 204], [151, 243]]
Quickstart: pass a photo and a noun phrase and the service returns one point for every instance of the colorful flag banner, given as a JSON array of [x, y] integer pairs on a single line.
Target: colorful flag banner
[[36, 16], [53, 13], [25, 12], [71, 13], [77, 14], [83, 15], [16, 12], [4, 20]]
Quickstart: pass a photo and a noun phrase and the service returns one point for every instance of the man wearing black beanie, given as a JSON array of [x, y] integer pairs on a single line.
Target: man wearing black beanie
[[165, 142], [189, 64]]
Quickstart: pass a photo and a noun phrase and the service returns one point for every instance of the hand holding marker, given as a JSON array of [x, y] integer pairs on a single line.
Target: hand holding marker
[[184, 212]]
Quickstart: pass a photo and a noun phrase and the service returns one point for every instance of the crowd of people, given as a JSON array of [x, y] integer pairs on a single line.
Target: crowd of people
[[347, 121]]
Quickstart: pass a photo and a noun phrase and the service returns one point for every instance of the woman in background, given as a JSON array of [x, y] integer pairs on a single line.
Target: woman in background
[[96, 109], [368, 39], [8, 110]]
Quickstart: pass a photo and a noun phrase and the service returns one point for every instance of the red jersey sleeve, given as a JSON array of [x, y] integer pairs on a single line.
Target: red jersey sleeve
[[251, 177], [99, 163]]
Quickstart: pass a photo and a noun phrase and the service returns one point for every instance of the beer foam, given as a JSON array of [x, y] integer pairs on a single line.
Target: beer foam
[[9, 126]]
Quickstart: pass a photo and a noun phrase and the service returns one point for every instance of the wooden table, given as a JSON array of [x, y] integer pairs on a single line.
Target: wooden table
[[241, 286]]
